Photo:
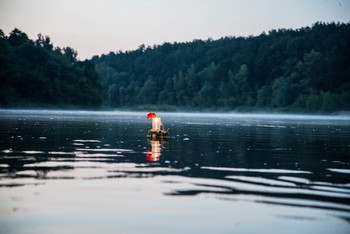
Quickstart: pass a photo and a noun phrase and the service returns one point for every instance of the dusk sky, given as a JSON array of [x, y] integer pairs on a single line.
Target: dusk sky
[[97, 27]]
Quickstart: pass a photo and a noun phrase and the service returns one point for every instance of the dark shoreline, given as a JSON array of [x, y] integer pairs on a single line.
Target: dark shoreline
[[175, 109]]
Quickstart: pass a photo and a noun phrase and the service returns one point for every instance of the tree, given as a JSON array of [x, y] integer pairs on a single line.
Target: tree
[[27, 66], [314, 67], [44, 42], [2, 34], [207, 95], [282, 93], [264, 96], [181, 86], [53, 72], [298, 69], [149, 92], [17, 37], [167, 95], [70, 53]]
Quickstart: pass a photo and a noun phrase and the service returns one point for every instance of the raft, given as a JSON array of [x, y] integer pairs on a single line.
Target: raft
[[158, 134]]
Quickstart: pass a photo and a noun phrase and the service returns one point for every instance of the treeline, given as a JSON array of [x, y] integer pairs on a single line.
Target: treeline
[[304, 69], [307, 69], [35, 74]]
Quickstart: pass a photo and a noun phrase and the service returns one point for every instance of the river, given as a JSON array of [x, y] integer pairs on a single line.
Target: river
[[97, 172]]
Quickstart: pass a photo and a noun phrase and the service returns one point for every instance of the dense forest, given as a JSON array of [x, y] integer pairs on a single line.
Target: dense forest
[[307, 69], [35, 74]]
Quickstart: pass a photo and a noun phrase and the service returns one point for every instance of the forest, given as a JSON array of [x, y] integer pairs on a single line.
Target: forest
[[305, 69], [287, 70], [34, 74]]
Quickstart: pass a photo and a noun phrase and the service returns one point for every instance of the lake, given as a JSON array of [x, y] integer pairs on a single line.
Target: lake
[[97, 172]]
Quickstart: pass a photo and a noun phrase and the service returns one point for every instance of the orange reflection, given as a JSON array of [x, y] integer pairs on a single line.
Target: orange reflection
[[155, 153]]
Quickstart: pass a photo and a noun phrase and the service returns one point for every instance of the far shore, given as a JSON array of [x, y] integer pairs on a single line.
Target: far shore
[[174, 109]]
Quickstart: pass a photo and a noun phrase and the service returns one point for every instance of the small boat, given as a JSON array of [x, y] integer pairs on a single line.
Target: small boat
[[157, 131]]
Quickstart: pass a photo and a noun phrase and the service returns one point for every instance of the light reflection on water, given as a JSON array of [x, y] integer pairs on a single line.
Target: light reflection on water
[[290, 170], [153, 155]]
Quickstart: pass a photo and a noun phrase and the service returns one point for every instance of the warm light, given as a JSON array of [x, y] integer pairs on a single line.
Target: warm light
[[150, 116], [156, 151], [156, 124], [156, 147]]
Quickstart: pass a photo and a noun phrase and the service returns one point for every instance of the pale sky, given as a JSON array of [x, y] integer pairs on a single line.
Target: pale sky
[[95, 27]]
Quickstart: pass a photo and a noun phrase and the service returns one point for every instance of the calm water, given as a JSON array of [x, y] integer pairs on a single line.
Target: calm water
[[96, 172]]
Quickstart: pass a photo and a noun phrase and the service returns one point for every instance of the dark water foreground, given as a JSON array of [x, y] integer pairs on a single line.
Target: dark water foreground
[[96, 172]]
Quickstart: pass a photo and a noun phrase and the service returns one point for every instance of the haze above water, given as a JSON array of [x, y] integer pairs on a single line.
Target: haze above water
[[96, 172]]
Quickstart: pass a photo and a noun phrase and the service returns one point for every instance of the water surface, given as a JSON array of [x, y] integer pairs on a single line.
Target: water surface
[[96, 172]]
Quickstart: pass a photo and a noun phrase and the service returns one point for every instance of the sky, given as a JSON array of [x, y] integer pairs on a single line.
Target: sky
[[95, 27]]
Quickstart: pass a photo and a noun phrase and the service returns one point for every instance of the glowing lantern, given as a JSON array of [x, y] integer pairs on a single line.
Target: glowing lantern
[[157, 124], [157, 130]]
